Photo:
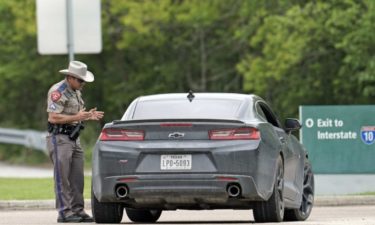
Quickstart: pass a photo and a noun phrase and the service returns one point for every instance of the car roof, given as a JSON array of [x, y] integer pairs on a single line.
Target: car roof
[[199, 95]]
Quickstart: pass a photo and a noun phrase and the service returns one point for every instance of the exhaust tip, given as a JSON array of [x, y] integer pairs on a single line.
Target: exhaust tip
[[234, 190], [122, 191]]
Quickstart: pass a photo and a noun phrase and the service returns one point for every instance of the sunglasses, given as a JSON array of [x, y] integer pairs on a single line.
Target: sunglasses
[[80, 80]]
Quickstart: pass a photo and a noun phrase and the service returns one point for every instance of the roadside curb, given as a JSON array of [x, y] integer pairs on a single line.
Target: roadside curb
[[33, 204], [345, 200], [320, 201]]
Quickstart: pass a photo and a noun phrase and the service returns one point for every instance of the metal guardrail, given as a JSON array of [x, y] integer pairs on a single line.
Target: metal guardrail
[[29, 138]]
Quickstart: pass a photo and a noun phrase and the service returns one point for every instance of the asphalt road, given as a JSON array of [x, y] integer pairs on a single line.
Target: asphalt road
[[358, 215]]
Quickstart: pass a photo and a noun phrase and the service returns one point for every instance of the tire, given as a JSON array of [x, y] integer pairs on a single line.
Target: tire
[[106, 212], [272, 210], [307, 203], [142, 215]]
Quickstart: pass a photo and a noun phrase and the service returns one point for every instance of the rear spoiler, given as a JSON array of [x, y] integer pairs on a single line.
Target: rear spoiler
[[116, 122]]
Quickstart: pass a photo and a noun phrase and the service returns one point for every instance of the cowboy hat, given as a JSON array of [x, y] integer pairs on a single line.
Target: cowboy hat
[[79, 70]]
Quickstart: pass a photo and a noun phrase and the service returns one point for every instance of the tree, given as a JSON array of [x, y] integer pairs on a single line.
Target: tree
[[313, 55], [290, 52]]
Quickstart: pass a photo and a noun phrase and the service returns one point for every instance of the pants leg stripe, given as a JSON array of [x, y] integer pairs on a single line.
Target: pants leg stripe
[[57, 176]]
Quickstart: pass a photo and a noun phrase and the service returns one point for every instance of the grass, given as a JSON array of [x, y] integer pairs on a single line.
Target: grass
[[32, 188], [367, 193]]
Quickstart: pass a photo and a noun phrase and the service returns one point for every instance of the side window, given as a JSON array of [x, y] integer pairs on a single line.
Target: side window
[[271, 118], [128, 115], [260, 111]]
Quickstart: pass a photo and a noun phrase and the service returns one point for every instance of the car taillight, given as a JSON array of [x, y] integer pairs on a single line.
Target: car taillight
[[114, 134], [244, 133]]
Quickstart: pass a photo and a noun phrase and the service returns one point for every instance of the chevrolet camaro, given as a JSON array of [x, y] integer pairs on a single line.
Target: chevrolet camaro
[[200, 151]]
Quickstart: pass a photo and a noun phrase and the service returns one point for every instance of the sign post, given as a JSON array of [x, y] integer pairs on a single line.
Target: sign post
[[69, 23]]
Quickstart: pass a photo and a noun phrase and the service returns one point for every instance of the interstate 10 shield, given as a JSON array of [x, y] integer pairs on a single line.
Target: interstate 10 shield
[[368, 134]]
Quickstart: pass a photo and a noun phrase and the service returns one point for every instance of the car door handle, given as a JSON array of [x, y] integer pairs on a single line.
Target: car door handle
[[282, 139]]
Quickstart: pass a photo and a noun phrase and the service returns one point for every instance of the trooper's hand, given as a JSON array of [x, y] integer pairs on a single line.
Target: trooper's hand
[[83, 115], [96, 115]]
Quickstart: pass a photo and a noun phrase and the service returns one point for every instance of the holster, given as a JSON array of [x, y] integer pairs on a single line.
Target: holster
[[76, 131]]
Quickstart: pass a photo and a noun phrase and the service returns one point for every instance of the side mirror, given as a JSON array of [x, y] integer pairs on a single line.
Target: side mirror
[[292, 125]]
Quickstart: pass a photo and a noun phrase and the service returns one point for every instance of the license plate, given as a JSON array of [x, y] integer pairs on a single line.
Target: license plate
[[175, 162]]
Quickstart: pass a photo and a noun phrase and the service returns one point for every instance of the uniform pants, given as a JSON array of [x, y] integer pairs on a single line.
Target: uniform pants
[[67, 159]]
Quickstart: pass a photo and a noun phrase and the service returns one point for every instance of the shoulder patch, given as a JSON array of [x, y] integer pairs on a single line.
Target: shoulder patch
[[52, 106], [56, 95]]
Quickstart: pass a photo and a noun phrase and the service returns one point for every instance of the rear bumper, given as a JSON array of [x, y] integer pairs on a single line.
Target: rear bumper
[[180, 191], [215, 166]]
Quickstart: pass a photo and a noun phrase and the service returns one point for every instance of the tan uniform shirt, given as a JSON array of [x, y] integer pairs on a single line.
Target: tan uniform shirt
[[63, 99]]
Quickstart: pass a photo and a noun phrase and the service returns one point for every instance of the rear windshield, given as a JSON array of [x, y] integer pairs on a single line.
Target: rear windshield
[[177, 109]]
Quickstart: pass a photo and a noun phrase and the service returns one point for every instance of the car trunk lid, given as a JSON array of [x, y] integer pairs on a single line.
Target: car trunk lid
[[179, 129]]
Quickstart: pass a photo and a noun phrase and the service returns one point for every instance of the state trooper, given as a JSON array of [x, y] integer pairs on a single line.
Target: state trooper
[[66, 113]]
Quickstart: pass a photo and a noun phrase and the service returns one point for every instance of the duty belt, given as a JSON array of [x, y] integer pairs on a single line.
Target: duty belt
[[72, 131]]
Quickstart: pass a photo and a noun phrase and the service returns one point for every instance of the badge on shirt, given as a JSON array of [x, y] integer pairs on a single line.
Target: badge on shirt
[[55, 96], [52, 106]]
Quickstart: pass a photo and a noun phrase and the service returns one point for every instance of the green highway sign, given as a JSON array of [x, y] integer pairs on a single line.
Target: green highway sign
[[340, 139]]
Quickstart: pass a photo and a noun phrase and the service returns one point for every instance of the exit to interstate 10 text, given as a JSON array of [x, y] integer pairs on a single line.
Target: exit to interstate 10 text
[[330, 135]]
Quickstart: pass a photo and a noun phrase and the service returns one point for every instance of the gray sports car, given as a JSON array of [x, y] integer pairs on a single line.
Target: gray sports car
[[200, 151]]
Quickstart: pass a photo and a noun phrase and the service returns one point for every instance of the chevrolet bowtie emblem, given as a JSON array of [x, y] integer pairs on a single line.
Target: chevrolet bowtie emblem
[[176, 135]]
